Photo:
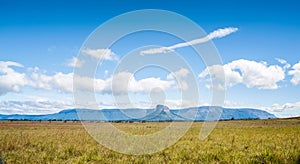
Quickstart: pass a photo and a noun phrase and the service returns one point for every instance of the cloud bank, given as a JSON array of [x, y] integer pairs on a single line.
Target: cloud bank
[[44, 106], [13, 81]]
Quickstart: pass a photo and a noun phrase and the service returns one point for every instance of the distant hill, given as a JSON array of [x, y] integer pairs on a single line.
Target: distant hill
[[160, 113]]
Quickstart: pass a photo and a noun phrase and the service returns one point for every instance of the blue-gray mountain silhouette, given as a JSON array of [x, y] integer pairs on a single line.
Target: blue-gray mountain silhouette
[[160, 113]]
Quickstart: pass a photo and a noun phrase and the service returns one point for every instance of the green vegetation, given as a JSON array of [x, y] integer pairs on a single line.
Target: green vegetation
[[245, 141]]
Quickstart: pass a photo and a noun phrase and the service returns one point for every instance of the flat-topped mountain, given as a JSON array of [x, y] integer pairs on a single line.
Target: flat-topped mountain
[[160, 113]]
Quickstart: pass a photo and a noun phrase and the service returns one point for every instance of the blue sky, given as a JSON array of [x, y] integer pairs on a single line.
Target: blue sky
[[44, 36]]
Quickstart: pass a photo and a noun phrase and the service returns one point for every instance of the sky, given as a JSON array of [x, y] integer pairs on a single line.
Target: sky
[[41, 43]]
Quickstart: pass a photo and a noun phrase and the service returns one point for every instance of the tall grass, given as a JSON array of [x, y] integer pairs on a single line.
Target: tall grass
[[256, 141]]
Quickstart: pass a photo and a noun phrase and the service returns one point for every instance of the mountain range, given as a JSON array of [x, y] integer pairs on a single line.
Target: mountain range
[[160, 113]]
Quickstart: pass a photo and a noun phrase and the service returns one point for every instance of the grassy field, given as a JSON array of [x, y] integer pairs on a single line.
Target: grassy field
[[253, 141]]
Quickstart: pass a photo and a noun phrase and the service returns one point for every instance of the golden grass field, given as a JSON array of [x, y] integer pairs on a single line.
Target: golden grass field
[[244, 141]]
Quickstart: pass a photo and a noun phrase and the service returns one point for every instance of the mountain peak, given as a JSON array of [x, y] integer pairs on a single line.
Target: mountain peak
[[162, 107]]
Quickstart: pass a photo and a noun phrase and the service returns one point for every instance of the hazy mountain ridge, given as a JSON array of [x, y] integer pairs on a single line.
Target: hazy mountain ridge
[[160, 113]]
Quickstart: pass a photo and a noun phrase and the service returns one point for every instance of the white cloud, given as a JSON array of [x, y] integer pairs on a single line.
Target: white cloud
[[116, 83], [281, 108], [39, 106], [181, 73], [295, 72], [283, 62], [161, 50], [230, 104], [219, 73], [62, 82], [119, 85], [285, 110], [106, 73], [148, 84], [37, 79], [10, 80], [13, 81], [102, 54], [219, 33], [180, 103], [249, 73], [40, 81], [179, 76], [75, 62], [90, 84], [59, 81]]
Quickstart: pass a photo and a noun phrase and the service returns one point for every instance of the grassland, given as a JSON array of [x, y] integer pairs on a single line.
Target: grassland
[[247, 141]]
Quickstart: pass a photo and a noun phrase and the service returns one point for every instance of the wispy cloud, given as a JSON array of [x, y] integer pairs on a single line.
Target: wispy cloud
[[283, 62], [285, 110], [75, 62], [219, 33], [103, 54]]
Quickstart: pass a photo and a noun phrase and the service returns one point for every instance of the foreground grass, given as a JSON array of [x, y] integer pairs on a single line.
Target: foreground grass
[[256, 141]]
